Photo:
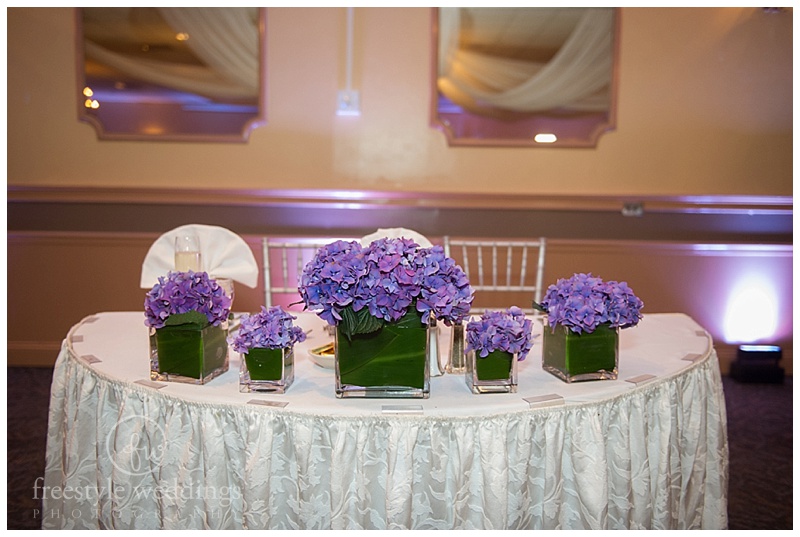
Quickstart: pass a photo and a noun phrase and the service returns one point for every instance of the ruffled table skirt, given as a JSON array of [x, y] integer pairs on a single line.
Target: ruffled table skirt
[[124, 455]]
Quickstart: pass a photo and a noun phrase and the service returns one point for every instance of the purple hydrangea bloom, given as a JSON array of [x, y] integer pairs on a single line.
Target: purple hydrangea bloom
[[508, 331], [445, 292], [182, 292], [584, 302], [328, 282], [392, 281], [269, 329], [387, 277]]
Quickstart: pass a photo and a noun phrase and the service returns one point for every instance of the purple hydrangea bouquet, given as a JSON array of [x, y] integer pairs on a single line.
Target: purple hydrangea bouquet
[[269, 329], [186, 297], [266, 341], [584, 302], [361, 289], [187, 313], [493, 341], [585, 314], [507, 331], [382, 299]]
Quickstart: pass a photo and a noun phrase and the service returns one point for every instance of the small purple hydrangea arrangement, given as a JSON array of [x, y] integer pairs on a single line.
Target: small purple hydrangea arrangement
[[359, 289], [584, 302], [507, 331], [186, 298], [269, 329]]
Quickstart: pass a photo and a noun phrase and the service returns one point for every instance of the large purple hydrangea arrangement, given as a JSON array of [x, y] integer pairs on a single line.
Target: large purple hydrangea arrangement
[[361, 288], [269, 329], [584, 302], [507, 331], [184, 298]]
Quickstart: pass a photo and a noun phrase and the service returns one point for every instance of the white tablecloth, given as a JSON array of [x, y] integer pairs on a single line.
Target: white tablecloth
[[614, 454]]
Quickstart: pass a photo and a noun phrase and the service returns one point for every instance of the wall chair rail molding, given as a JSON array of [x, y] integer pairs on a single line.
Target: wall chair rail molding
[[756, 219]]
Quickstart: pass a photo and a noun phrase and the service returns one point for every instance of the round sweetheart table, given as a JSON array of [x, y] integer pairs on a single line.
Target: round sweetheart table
[[648, 450]]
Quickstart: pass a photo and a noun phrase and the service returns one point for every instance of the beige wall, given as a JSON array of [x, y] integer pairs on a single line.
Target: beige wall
[[704, 108]]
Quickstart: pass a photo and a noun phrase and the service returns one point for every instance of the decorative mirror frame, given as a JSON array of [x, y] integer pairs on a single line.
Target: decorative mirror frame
[[571, 132], [106, 133]]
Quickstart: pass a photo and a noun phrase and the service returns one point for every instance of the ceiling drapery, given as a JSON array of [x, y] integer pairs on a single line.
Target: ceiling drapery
[[225, 40], [576, 78]]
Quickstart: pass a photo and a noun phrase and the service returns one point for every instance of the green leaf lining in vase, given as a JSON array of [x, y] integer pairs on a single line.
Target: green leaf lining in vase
[[393, 355], [190, 351], [193, 317], [495, 366], [359, 322], [266, 364]]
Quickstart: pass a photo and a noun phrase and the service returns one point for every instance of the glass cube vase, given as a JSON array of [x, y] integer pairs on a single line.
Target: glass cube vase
[[188, 353], [494, 373], [267, 370], [391, 362], [576, 357]]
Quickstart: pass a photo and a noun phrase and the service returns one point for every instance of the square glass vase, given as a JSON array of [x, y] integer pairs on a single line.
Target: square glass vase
[[574, 357], [266, 370], [391, 362], [494, 373], [188, 353]]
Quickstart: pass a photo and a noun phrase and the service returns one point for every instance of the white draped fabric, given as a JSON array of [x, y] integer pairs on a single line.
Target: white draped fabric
[[578, 77], [616, 455], [226, 40]]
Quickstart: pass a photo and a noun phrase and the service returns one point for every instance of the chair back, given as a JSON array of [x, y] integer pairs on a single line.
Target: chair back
[[511, 271]]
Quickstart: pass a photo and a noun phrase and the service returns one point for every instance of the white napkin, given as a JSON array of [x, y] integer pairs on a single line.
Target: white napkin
[[224, 255], [396, 233]]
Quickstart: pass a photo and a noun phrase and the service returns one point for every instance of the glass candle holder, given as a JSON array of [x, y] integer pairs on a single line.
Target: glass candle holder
[[227, 287], [187, 253], [457, 362]]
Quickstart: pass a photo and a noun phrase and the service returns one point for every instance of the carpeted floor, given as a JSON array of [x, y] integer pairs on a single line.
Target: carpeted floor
[[760, 448], [759, 436]]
